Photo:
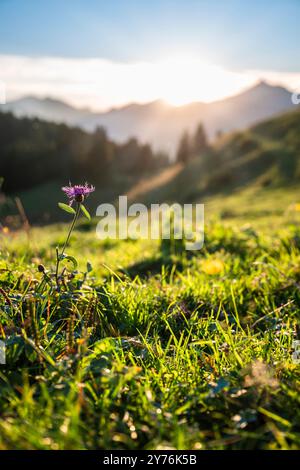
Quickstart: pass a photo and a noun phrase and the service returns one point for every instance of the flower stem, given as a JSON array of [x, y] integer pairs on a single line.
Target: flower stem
[[58, 255]]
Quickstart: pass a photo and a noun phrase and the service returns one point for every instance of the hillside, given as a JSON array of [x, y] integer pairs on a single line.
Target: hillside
[[38, 156], [267, 154], [161, 124]]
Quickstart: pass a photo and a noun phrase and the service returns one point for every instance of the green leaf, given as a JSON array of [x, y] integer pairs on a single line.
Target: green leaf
[[72, 260], [66, 208], [64, 257], [85, 212], [89, 267]]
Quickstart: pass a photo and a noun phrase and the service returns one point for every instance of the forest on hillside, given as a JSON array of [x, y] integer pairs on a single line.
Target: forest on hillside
[[33, 152]]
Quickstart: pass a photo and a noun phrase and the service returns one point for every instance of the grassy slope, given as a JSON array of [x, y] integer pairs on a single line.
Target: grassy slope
[[265, 155], [163, 352]]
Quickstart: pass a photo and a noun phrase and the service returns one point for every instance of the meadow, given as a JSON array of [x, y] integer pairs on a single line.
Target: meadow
[[148, 346]]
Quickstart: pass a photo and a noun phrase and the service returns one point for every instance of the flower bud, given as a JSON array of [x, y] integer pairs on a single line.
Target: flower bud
[[41, 268]]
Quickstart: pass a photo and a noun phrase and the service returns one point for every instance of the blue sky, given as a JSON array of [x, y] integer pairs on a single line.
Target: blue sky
[[108, 53], [233, 33]]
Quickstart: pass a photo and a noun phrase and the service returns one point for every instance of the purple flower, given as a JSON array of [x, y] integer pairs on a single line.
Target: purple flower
[[78, 192]]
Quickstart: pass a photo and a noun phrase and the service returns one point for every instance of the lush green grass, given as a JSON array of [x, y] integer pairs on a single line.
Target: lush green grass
[[156, 347]]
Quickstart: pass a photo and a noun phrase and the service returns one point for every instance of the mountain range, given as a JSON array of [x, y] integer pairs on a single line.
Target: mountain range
[[159, 123]]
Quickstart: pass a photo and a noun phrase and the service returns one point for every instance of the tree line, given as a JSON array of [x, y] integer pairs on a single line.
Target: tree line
[[192, 145], [33, 152]]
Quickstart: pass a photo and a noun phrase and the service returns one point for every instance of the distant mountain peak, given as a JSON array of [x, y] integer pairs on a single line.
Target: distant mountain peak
[[160, 123], [264, 86]]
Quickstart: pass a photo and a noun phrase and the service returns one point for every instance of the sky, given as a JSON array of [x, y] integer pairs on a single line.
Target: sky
[[107, 53]]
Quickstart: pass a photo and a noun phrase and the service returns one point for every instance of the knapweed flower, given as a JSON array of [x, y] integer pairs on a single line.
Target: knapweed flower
[[78, 192]]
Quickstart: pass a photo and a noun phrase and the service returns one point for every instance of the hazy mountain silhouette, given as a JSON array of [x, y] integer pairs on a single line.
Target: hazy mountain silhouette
[[160, 123], [48, 109]]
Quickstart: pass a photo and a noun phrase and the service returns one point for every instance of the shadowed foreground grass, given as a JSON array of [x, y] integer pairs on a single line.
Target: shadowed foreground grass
[[151, 346]]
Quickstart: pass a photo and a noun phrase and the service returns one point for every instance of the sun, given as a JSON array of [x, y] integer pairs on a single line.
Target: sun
[[187, 79]]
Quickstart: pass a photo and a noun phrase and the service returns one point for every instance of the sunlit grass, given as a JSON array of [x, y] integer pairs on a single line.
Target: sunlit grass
[[156, 347]]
